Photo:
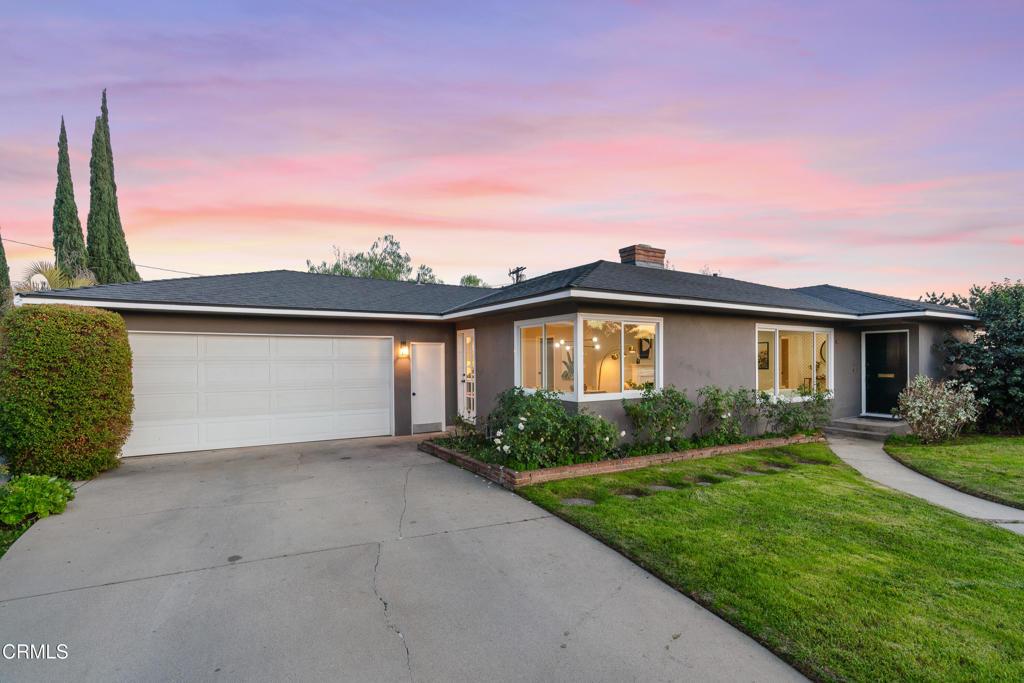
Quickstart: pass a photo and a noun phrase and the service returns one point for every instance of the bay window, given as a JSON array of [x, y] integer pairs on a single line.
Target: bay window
[[792, 361], [618, 356]]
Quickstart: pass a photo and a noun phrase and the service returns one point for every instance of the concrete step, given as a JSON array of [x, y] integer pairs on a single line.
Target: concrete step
[[876, 426], [831, 430]]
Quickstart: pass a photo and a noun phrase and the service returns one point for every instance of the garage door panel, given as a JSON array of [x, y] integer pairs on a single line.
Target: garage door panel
[[169, 346], [236, 403], [163, 376], [371, 351], [303, 400], [224, 374], [166, 406], [163, 437], [297, 373], [306, 427], [365, 423], [355, 370], [304, 348], [235, 347], [375, 398], [240, 432], [194, 392]]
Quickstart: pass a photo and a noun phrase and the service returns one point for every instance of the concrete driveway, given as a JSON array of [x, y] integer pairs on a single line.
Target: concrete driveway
[[357, 560]]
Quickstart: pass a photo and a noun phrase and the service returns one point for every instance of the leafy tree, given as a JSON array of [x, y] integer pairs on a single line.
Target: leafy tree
[[954, 299], [991, 355], [107, 248], [5, 279], [425, 275], [68, 242], [385, 260], [470, 280]]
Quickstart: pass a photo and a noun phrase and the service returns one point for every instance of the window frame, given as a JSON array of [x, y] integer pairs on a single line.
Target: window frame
[[577, 395], [776, 328]]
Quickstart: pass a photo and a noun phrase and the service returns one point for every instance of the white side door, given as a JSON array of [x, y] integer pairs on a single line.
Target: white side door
[[427, 374]]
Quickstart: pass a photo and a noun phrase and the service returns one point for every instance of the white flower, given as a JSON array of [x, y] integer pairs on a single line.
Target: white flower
[[500, 433], [498, 441], [622, 433], [606, 438], [521, 426], [505, 448], [668, 438], [542, 439], [522, 419]]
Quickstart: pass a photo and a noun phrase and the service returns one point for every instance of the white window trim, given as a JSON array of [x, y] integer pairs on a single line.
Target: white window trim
[[770, 327], [577, 395], [863, 368]]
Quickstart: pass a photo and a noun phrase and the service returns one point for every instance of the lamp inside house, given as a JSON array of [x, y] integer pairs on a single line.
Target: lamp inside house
[[403, 349]]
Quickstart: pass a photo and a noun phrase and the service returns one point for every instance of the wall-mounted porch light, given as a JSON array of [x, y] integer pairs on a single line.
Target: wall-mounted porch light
[[403, 349]]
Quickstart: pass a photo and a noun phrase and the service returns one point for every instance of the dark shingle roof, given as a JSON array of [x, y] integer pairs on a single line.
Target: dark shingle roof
[[868, 303], [606, 276], [284, 289]]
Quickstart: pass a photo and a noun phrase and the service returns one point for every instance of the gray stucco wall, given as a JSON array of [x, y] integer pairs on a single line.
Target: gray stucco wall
[[700, 349], [408, 331]]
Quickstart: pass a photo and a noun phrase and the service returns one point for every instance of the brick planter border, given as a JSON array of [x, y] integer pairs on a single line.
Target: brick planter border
[[512, 480]]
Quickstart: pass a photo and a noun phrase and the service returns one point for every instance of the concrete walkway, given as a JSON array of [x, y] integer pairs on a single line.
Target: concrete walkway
[[357, 560], [871, 460]]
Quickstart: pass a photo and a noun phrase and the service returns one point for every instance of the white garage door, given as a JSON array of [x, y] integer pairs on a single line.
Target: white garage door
[[200, 391]]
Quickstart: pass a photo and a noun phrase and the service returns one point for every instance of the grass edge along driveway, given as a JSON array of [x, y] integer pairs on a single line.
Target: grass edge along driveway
[[990, 467], [843, 578]]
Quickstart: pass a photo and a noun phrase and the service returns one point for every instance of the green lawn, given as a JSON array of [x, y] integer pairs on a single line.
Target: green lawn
[[988, 466], [845, 579]]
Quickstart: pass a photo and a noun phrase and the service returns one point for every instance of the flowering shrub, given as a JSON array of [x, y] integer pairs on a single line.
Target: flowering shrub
[[660, 416], [533, 430], [937, 411], [726, 415], [810, 413]]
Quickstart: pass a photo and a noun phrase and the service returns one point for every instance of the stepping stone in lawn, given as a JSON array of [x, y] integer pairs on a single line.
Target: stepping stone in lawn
[[703, 483], [777, 468], [754, 473], [582, 502], [628, 496], [662, 487]]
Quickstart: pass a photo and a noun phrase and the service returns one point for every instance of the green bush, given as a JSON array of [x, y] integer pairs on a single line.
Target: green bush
[[991, 357], [660, 417], [809, 414], [726, 415], [66, 383], [30, 496], [533, 430]]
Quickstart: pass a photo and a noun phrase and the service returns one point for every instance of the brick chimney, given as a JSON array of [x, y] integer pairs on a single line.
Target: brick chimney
[[643, 255]]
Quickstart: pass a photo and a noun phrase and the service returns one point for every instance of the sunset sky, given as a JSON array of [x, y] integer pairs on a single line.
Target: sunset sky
[[871, 145]]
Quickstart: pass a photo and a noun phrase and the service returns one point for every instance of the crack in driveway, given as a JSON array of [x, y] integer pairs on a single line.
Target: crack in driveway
[[281, 556], [405, 501], [387, 614]]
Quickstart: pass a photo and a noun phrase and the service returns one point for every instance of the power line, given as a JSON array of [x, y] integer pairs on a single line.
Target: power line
[[137, 265]]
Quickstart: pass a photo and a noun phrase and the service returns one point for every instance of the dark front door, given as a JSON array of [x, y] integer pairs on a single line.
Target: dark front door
[[885, 370]]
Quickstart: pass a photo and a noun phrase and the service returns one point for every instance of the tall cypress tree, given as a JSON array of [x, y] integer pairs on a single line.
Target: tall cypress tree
[[68, 243], [5, 278], [108, 250]]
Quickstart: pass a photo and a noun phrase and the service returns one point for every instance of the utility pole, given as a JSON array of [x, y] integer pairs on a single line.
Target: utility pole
[[517, 274]]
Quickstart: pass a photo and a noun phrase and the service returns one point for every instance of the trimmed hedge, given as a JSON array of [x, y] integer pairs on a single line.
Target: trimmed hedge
[[66, 388]]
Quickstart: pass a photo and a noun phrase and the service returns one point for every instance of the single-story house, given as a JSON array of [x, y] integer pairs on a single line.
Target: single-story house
[[283, 356]]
